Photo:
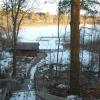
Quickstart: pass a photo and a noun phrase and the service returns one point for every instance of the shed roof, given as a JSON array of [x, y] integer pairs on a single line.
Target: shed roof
[[27, 46]]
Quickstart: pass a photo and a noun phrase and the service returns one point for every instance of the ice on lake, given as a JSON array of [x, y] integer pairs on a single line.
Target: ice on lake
[[43, 34]]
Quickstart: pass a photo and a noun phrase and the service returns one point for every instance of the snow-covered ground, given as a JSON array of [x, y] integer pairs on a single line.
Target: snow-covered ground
[[27, 95], [43, 36], [73, 97], [33, 72], [64, 57], [5, 60]]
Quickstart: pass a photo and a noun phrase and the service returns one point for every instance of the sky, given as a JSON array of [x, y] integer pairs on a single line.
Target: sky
[[46, 6], [43, 5]]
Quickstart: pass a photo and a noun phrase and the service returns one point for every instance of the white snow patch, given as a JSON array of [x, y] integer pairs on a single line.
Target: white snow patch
[[62, 86], [73, 97], [27, 95]]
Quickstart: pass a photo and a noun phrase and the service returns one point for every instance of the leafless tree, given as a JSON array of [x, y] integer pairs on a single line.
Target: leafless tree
[[15, 10], [74, 7], [75, 46]]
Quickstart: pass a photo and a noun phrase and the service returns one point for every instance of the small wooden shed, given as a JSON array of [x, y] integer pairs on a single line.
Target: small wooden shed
[[27, 49]]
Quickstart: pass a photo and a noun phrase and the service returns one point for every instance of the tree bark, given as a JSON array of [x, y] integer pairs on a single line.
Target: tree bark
[[99, 67], [75, 47], [14, 49]]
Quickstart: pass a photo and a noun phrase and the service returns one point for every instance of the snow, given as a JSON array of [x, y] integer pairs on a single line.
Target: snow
[[90, 32], [34, 34], [73, 97], [64, 57], [38, 34], [61, 86], [5, 60], [33, 71], [0, 93], [43, 34], [27, 95], [85, 57]]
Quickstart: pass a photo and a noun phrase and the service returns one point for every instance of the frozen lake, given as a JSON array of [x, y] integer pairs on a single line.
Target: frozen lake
[[47, 38], [44, 35]]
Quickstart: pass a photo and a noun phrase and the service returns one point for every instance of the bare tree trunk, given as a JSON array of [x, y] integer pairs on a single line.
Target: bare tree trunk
[[75, 47], [58, 41], [99, 67], [14, 49]]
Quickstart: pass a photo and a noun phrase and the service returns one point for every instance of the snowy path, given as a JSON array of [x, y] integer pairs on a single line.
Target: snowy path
[[27, 95], [28, 92], [29, 35]]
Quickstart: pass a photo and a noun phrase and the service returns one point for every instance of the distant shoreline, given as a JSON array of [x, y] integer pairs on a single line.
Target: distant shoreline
[[42, 25], [48, 25]]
